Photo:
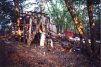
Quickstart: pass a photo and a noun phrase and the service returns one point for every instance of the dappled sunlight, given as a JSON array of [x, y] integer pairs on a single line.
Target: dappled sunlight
[[50, 33], [19, 32]]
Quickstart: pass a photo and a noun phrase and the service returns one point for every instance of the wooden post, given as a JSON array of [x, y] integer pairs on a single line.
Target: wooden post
[[29, 40], [43, 32]]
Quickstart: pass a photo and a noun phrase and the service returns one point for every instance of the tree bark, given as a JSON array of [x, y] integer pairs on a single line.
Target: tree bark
[[17, 8], [78, 26], [92, 25]]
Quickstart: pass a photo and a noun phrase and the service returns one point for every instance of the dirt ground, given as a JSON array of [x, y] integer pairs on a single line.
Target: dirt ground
[[14, 54]]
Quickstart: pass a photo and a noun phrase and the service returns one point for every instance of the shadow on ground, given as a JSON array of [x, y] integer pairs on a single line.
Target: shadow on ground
[[13, 54]]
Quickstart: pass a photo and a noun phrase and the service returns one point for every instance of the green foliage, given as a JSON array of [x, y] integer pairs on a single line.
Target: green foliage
[[60, 15], [57, 11]]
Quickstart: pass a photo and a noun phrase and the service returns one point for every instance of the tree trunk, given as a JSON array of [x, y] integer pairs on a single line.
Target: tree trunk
[[78, 26], [57, 26], [18, 15], [75, 18], [92, 25], [29, 39]]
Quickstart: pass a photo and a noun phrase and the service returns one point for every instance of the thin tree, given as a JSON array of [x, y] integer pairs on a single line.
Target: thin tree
[[92, 25], [17, 8]]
